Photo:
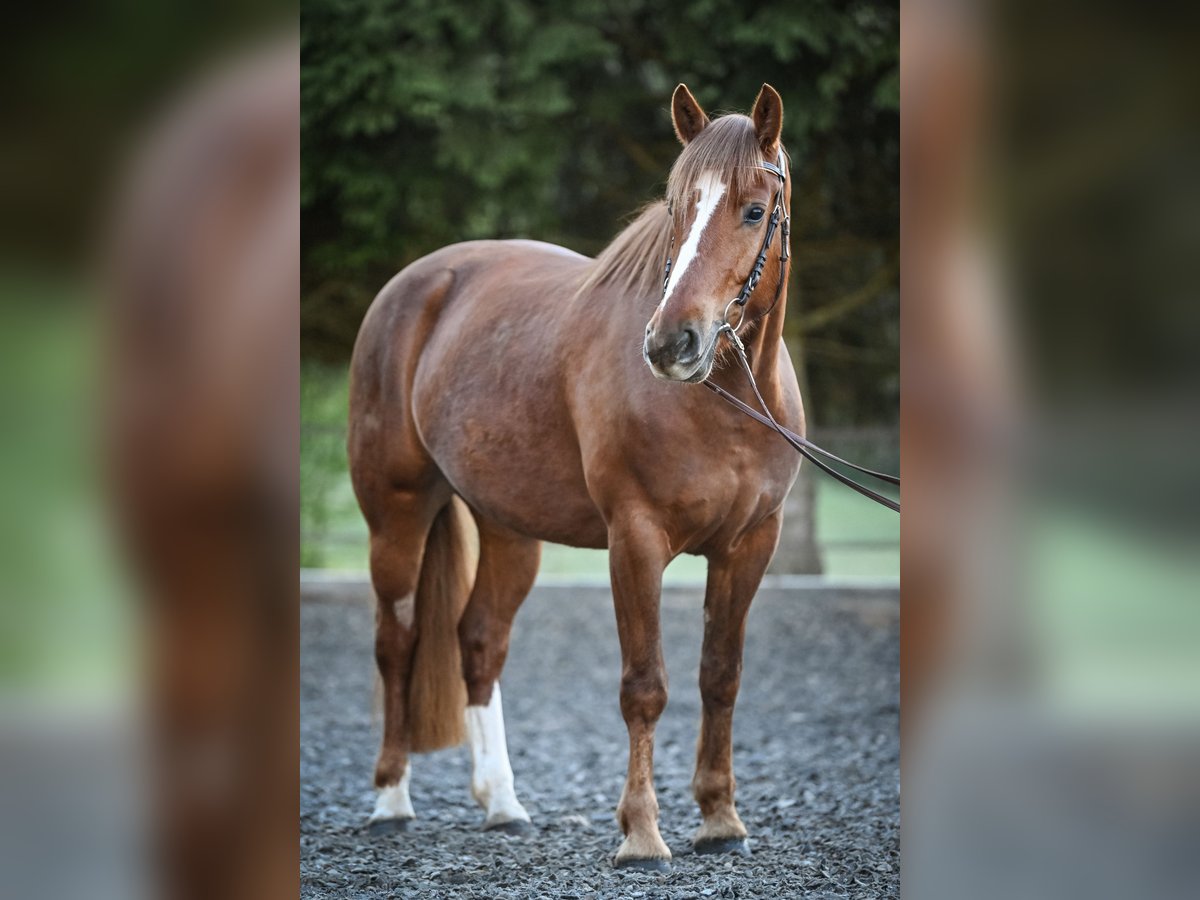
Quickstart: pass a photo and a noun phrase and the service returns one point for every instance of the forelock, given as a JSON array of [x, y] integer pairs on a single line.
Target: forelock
[[728, 147]]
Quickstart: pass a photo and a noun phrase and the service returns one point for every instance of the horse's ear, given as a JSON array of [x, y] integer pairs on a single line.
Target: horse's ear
[[768, 120], [686, 114]]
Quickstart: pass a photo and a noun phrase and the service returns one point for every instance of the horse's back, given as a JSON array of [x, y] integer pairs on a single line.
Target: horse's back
[[404, 314], [425, 280]]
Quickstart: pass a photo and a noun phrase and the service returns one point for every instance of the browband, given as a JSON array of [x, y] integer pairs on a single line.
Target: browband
[[775, 170]]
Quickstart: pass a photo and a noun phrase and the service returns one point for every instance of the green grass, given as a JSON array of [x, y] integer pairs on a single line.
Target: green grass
[[334, 535]]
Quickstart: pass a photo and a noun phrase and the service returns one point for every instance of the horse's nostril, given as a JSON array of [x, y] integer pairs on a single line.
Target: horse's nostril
[[687, 346], [680, 347]]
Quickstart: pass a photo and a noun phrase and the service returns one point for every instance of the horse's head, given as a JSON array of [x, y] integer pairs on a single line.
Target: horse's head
[[720, 197]]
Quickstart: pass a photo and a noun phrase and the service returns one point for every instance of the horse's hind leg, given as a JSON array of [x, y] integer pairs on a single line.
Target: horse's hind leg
[[397, 546], [508, 564], [732, 583]]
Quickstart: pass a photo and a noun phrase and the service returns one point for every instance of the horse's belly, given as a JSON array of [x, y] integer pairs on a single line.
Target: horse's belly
[[554, 517], [514, 468], [536, 500]]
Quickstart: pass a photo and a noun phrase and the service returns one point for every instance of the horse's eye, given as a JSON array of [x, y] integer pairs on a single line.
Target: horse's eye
[[755, 214]]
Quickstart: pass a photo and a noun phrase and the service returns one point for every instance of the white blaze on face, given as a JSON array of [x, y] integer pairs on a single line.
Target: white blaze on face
[[492, 777], [392, 802], [710, 191]]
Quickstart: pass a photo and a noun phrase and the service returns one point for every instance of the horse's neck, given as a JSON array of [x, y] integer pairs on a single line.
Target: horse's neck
[[770, 333]]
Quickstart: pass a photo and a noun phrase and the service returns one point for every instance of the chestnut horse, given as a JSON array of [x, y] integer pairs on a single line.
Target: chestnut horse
[[545, 396]]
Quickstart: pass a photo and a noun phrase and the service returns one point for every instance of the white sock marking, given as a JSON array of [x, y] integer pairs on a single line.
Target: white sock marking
[[405, 610], [392, 802], [711, 191], [492, 777]]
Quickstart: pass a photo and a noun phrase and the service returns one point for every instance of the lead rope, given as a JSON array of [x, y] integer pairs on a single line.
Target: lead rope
[[806, 448]]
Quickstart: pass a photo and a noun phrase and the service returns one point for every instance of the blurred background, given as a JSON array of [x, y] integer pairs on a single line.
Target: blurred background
[[427, 123]]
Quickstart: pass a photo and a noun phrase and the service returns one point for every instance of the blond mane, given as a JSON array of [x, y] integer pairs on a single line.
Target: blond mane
[[633, 262]]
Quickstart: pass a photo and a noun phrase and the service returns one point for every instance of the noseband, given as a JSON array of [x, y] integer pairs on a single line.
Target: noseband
[[805, 447]]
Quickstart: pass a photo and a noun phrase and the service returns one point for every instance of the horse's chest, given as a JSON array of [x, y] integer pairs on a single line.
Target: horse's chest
[[751, 480], [709, 493]]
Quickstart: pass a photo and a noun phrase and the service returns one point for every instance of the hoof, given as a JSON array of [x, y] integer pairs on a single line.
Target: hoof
[[723, 845], [643, 865], [515, 827], [387, 826]]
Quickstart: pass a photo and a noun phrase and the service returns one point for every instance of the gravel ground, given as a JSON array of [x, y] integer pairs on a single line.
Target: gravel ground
[[816, 753]]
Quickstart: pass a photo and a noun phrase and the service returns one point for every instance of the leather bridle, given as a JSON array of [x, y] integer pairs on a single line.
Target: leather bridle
[[805, 447], [778, 169], [777, 215]]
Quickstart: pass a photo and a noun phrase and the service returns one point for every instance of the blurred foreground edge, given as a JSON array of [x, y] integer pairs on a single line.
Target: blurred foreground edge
[[1050, 630], [202, 394]]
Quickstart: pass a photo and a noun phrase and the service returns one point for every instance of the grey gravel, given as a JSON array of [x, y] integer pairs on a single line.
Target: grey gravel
[[816, 753]]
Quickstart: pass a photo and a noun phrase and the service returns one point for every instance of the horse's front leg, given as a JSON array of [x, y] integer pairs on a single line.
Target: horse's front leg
[[733, 579], [638, 553]]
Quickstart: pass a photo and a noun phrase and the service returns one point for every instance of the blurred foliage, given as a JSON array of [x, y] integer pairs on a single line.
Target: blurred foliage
[[425, 123], [105, 70]]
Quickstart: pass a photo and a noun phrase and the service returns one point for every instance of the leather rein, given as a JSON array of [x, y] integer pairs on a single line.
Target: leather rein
[[805, 447]]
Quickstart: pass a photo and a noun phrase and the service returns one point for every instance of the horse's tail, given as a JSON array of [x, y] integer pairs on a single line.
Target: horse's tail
[[437, 694]]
